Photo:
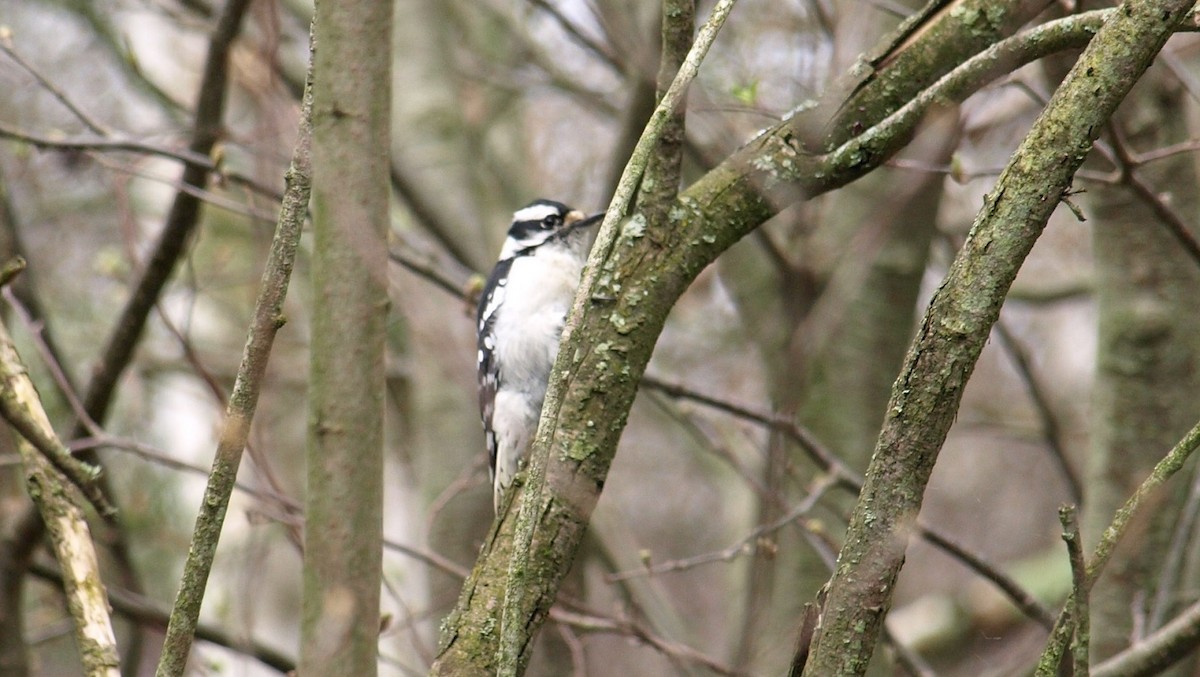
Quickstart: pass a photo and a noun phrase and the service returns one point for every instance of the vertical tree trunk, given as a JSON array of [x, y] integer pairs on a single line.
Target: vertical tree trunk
[[343, 531], [1148, 369]]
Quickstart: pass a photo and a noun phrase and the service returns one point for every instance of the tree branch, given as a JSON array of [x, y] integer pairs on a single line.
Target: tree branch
[[530, 592], [926, 396], [1079, 590], [143, 611], [239, 412], [1162, 649], [1163, 471], [64, 521], [635, 276], [181, 221]]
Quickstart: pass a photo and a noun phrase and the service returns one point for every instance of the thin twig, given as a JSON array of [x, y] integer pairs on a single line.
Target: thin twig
[[824, 459], [1041, 404], [428, 271], [850, 480], [200, 193], [1079, 643], [144, 611], [602, 52], [107, 144], [1167, 217], [1158, 651], [1167, 582], [6, 45], [1163, 471], [908, 659], [747, 545], [600, 624], [267, 319]]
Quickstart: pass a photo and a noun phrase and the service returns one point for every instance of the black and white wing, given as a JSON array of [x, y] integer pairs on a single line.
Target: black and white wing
[[489, 368]]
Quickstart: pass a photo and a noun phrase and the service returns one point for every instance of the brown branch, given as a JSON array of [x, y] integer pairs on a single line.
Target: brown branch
[[427, 213], [602, 52], [6, 45], [959, 319], [1160, 650], [1167, 217], [1051, 430], [634, 630], [143, 611], [64, 520], [112, 144], [829, 463], [1079, 590], [744, 546], [239, 413], [181, 221], [428, 271]]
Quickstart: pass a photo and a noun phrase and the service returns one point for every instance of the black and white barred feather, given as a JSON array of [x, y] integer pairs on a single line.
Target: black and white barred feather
[[520, 319]]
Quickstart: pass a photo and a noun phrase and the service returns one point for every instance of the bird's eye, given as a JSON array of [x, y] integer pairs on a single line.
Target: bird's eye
[[552, 221]]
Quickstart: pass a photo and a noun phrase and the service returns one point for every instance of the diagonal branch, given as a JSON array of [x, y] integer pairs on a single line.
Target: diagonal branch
[[636, 275], [529, 595], [239, 412], [181, 222], [1163, 471], [959, 319], [63, 519]]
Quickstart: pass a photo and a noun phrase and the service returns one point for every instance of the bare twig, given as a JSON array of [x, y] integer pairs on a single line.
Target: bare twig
[[584, 622], [747, 545], [427, 213], [1167, 582], [850, 480], [601, 51], [1163, 471], [1168, 151], [1041, 404], [1020, 597], [200, 193], [268, 318], [115, 144], [1167, 217], [6, 45], [910, 661], [1079, 587], [63, 519], [429, 272], [146, 612], [825, 460], [1158, 651]]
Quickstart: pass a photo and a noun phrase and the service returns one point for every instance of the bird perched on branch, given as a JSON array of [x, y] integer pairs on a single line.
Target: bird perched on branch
[[520, 319]]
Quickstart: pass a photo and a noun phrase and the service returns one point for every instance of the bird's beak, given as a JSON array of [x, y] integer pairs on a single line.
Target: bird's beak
[[577, 219]]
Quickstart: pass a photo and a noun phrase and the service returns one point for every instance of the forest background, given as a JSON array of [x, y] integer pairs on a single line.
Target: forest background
[[725, 509]]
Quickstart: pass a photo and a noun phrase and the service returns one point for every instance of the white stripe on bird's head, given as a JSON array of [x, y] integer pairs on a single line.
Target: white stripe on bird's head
[[539, 210]]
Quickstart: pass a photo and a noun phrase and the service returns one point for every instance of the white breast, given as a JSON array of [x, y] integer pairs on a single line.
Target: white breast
[[539, 292]]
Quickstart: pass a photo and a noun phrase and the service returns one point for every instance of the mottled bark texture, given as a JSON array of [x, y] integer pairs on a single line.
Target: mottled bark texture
[[1148, 365], [344, 463], [925, 397]]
